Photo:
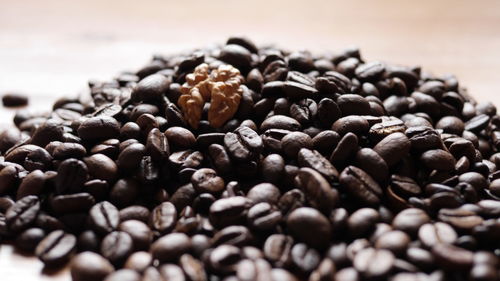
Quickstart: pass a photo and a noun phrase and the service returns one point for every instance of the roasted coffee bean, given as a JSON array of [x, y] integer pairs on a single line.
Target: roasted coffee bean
[[304, 258], [263, 216], [328, 112], [280, 122], [395, 241], [346, 148], [460, 218], [157, 145], [243, 144], [124, 192], [351, 124], [386, 127], [14, 99], [130, 157], [477, 123], [310, 226], [206, 180], [139, 261], [362, 221], [293, 142], [313, 159], [360, 185], [180, 138], [373, 263], [164, 217], [23, 213], [90, 266], [29, 239], [304, 111], [99, 128], [116, 247], [124, 275], [318, 191], [433, 234], [32, 184], [273, 167], [233, 235], [139, 232], [237, 56], [451, 257], [72, 203], [372, 163], [326, 141], [56, 248], [104, 217], [170, 247], [438, 159], [101, 167], [71, 175], [264, 192], [151, 88], [393, 148]]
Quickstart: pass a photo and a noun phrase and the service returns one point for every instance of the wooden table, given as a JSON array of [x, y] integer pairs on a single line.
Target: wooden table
[[51, 48]]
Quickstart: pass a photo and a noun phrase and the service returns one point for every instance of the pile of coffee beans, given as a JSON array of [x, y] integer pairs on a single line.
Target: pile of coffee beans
[[332, 168]]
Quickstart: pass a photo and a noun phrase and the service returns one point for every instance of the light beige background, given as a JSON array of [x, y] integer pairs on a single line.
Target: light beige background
[[51, 48]]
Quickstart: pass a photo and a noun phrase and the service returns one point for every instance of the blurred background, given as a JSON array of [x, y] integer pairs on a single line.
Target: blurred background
[[52, 48]]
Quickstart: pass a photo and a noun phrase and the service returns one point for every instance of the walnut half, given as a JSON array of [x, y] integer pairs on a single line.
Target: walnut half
[[221, 87]]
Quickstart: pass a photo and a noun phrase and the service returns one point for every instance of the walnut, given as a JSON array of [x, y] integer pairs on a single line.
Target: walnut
[[221, 87]]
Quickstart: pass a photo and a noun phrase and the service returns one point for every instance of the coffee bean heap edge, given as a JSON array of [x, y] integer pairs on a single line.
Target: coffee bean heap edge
[[332, 168]]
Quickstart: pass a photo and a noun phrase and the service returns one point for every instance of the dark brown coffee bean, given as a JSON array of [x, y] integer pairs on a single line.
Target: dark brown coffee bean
[[123, 275], [244, 144], [29, 239], [88, 266], [23, 213], [272, 168], [14, 99], [304, 258], [164, 217], [151, 88], [263, 216], [139, 232], [423, 138], [280, 122], [130, 157], [460, 218], [124, 192], [477, 123], [206, 180], [351, 104], [438, 159], [393, 148], [157, 145], [170, 247], [304, 111], [328, 112], [72, 203], [360, 185], [395, 241], [370, 71], [313, 159], [99, 128], [353, 124], [264, 192], [47, 132], [237, 56], [318, 191], [451, 257], [180, 137], [386, 127], [362, 221], [32, 184], [233, 235], [436, 233], [371, 162], [310, 226], [56, 248], [71, 175], [116, 247], [293, 142], [104, 217], [295, 90], [373, 263], [346, 148]]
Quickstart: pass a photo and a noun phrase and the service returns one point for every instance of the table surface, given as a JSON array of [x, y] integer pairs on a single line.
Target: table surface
[[51, 48]]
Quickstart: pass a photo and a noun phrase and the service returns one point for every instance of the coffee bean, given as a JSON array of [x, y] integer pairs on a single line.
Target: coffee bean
[[164, 217], [264, 192], [124, 275], [395, 241], [139, 232], [104, 217], [23, 213], [460, 218], [371, 162], [360, 185], [170, 247], [101, 167], [362, 221], [90, 266], [433, 234], [157, 145], [130, 157], [309, 226], [451, 257], [263, 216], [304, 258], [313, 159], [56, 248], [29, 239], [32, 184], [293, 142], [14, 99], [72, 203], [393, 148], [318, 191], [116, 247], [351, 104], [280, 122], [346, 148], [328, 112], [206, 180], [351, 124], [71, 175], [99, 128], [373, 263], [438, 159], [151, 88]]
